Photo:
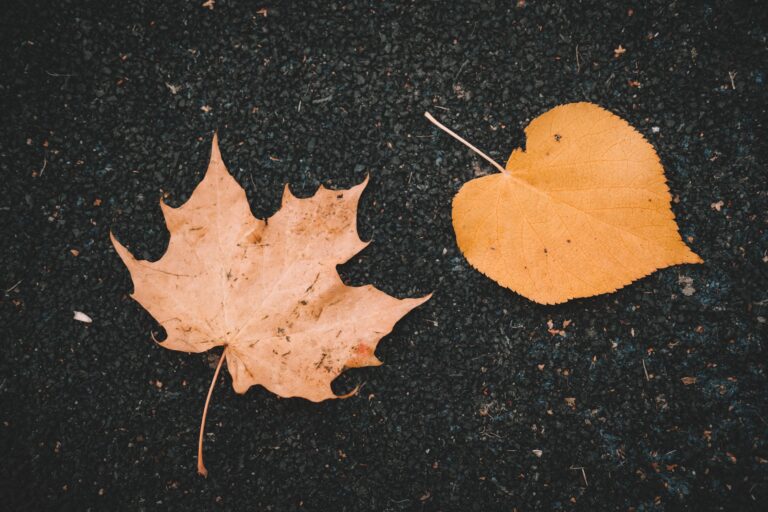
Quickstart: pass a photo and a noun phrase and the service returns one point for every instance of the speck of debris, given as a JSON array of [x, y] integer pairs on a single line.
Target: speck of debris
[[173, 88], [82, 317], [687, 283]]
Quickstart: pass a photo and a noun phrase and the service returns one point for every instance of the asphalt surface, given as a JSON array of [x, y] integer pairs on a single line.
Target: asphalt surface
[[655, 398]]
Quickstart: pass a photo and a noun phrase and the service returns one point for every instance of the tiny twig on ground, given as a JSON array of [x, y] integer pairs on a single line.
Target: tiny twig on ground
[[9, 290], [583, 474], [578, 60], [458, 73]]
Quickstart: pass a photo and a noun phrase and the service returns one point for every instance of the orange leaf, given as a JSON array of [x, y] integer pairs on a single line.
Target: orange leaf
[[267, 291], [583, 210]]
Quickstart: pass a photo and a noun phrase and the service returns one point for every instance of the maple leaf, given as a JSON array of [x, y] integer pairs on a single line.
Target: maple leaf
[[584, 210], [266, 290]]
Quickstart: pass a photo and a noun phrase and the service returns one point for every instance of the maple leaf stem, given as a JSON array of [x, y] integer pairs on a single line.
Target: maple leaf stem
[[200, 465], [463, 141]]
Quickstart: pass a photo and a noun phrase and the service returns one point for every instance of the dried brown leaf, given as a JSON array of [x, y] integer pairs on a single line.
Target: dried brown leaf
[[266, 290]]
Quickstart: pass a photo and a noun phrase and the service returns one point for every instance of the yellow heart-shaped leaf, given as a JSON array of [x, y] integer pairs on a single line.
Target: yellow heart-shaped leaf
[[583, 210]]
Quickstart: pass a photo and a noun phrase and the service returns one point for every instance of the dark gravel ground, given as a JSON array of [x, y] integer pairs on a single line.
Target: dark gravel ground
[[104, 108]]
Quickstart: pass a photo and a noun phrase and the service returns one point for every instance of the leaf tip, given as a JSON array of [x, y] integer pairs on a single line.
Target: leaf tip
[[694, 258], [168, 212], [364, 244], [215, 152], [121, 250], [287, 194], [422, 300], [358, 189]]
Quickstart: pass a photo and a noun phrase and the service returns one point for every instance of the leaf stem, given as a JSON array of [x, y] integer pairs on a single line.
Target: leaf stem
[[200, 465], [460, 139]]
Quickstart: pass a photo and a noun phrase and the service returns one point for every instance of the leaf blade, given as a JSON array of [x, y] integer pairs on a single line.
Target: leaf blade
[[268, 291], [585, 210]]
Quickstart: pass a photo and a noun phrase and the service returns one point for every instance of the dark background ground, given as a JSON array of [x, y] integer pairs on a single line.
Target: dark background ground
[[473, 382]]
